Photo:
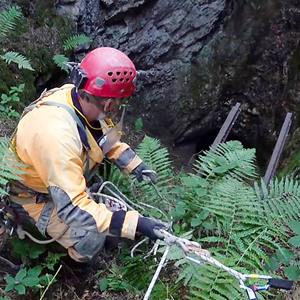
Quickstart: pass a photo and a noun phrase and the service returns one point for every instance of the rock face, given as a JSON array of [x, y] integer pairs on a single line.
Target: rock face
[[198, 59]]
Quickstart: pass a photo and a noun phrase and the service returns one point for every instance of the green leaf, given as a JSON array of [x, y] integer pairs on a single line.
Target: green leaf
[[221, 169], [204, 183], [196, 222], [201, 192], [35, 272], [36, 250], [103, 283], [295, 226], [204, 214], [10, 280], [20, 289], [190, 181], [176, 228], [285, 255], [209, 225], [292, 272], [9, 287], [155, 213], [20, 275], [295, 241], [232, 165], [30, 281], [221, 160], [273, 264]]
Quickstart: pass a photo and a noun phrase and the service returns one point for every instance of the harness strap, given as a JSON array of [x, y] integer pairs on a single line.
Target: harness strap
[[74, 116], [17, 190], [45, 216]]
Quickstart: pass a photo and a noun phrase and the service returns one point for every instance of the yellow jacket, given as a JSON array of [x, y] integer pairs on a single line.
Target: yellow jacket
[[48, 141]]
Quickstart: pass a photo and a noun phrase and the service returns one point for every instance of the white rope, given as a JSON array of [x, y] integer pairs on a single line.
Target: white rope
[[21, 233], [154, 278], [189, 247], [204, 254]]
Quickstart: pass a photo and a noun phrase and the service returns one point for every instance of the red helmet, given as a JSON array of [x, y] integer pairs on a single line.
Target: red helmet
[[110, 73]]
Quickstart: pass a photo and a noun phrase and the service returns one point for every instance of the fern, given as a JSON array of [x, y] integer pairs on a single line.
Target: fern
[[9, 164], [8, 20], [228, 159], [282, 198], [17, 58], [60, 61], [76, 40], [235, 219], [241, 220], [243, 229], [157, 159]]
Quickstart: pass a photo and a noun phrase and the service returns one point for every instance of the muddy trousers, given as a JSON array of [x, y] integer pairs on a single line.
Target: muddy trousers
[[82, 245]]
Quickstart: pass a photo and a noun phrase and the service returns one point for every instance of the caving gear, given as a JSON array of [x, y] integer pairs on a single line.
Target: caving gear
[[108, 72], [57, 147], [142, 172], [147, 226]]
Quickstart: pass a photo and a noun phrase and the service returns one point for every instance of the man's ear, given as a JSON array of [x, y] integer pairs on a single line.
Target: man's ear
[[108, 105]]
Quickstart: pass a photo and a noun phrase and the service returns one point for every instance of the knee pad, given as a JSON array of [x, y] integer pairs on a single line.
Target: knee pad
[[88, 244]]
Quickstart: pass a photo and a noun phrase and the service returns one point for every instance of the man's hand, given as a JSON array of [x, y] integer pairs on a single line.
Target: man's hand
[[142, 172], [146, 227]]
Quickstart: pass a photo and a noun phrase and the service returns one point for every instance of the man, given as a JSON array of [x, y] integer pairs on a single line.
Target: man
[[62, 137]]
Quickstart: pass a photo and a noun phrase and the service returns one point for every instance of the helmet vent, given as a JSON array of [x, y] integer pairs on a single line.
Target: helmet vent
[[110, 73], [118, 73]]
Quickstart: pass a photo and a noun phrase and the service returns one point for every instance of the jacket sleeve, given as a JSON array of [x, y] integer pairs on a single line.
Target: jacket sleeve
[[124, 157], [116, 151], [56, 153]]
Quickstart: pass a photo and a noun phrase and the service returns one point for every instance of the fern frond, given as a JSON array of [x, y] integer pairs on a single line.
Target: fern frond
[[76, 40], [8, 20], [19, 59], [281, 198], [60, 61], [8, 159], [157, 159], [228, 158]]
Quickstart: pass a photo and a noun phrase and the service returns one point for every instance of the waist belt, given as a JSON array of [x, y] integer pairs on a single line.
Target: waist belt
[[21, 194]]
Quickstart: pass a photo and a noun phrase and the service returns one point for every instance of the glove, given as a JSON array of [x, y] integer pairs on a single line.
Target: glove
[[146, 227], [142, 172]]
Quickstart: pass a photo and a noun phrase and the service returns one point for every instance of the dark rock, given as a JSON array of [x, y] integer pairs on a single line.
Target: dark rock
[[198, 59]]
